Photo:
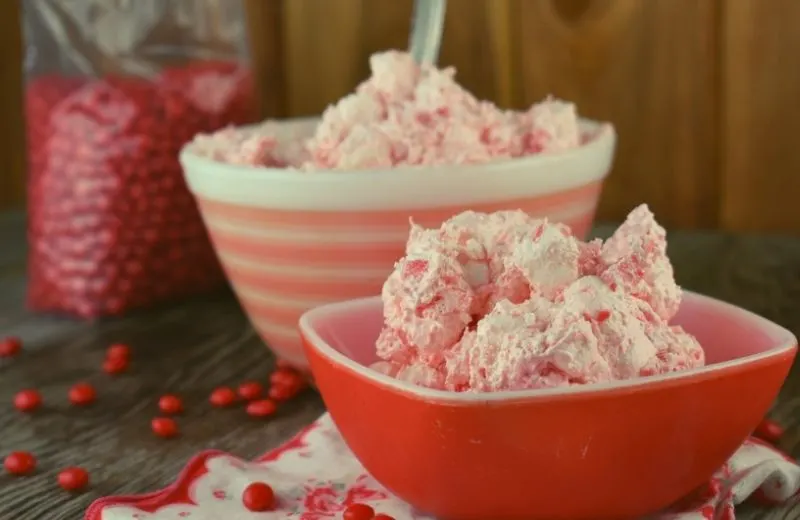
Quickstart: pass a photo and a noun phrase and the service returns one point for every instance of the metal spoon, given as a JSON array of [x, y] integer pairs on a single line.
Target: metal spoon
[[427, 25]]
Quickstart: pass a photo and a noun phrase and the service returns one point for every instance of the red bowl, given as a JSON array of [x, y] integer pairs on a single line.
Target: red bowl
[[615, 450]]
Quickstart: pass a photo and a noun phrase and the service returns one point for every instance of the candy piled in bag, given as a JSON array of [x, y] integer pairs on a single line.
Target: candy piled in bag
[[112, 225], [507, 302]]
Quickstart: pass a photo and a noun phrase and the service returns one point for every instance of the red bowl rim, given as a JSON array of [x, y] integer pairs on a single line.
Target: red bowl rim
[[785, 344]]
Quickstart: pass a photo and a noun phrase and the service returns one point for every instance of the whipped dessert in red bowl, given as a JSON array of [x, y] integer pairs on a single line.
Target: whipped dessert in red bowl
[[506, 367]]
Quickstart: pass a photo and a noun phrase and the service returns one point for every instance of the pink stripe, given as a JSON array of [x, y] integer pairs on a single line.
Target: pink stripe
[[303, 288], [258, 217], [265, 312], [365, 255]]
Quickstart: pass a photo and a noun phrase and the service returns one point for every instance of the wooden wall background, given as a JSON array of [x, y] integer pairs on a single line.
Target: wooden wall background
[[704, 93]]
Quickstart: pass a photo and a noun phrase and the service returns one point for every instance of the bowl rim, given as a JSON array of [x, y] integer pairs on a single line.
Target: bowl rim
[[604, 137], [785, 342]]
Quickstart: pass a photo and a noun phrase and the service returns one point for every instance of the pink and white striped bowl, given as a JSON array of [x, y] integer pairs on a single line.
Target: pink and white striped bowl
[[290, 241]]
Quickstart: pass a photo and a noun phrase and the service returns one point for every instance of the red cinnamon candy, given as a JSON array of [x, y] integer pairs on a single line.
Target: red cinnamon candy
[[261, 408], [10, 346], [164, 427], [250, 390], [222, 397], [27, 400], [769, 431], [82, 394], [170, 404], [258, 497], [73, 479], [358, 511], [19, 463]]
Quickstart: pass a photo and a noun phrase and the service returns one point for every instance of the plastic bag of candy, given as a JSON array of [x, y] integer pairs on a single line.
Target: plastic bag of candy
[[113, 89]]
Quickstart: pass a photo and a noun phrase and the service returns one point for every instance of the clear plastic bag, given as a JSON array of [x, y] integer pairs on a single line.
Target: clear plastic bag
[[114, 88]]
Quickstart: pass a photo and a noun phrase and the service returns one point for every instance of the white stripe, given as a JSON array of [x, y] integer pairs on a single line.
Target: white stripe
[[322, 274], [275, 329], [306, 235], [362, 235]]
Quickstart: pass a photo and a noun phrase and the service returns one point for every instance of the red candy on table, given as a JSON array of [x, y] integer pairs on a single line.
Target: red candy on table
[[170, 404], [261, 408], [164, 427], [118, 351], [10, 347], [250, 390], [281, 393], [769, 431], [115, 366], [73, 479], [258, 496], [222, 397], [20, 463], [111, 221], [27, 400], [284, 377], [82, 394], [358, 511], [286, 383]]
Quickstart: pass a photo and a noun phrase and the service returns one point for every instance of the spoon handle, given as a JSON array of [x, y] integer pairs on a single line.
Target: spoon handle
[[427, 25]]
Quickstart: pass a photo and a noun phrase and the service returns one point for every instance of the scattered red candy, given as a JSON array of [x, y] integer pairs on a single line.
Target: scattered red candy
[[250, 390], [382, 516], [170, 404], [27, 400], [284, 377], [222, 396], [118, 351], [281, 393], [10, 347], [164, 427], [358, 511], [116, 365], [73, 479], [258, 496], [20, 463], [261, 408], [82, 394], [769, 431], [286, 383]]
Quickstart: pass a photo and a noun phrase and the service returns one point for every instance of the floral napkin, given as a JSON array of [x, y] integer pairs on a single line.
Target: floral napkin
[[315, 476]]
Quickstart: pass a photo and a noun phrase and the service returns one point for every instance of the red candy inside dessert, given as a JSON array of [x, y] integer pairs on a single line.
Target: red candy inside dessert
[[504, 301]]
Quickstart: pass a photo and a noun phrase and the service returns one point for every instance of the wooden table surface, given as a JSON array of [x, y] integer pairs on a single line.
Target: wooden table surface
[[192, 347]]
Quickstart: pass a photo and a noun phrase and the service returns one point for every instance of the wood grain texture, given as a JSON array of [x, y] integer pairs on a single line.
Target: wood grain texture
[[761, 81], [12, 137], [650, 68], [328, 44], [190, 348], [265, 32]]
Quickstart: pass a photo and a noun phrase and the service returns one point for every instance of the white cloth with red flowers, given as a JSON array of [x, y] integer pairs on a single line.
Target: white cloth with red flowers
[[315, 477]]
